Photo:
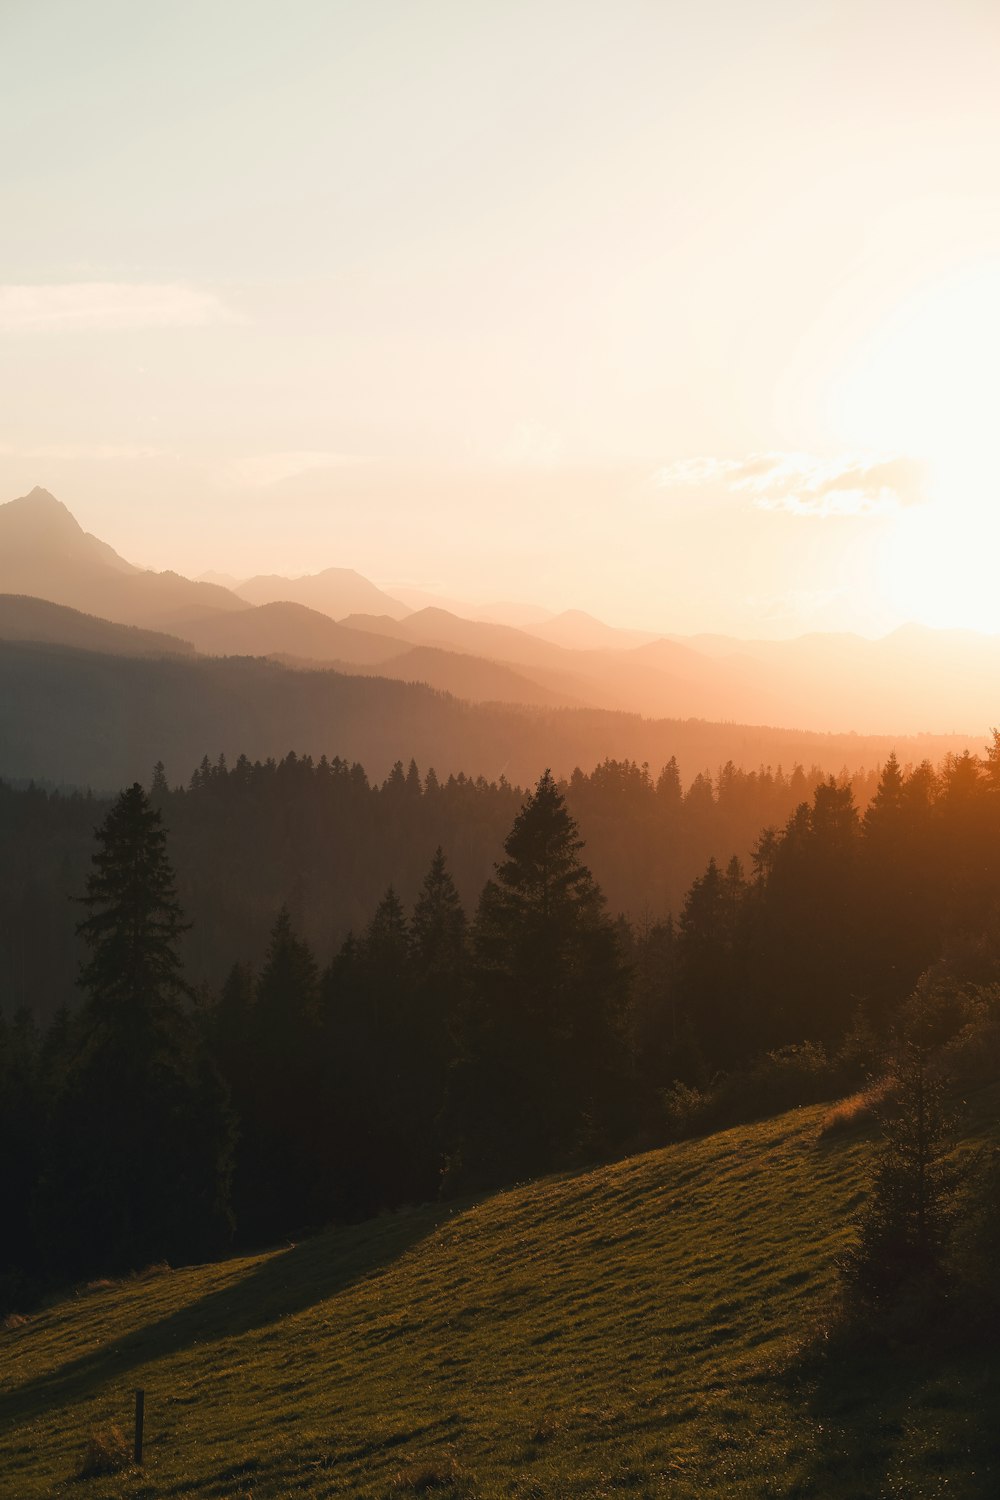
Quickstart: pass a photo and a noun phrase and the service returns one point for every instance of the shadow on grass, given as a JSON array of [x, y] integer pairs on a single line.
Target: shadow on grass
[[284, 1284], [905, 1420]]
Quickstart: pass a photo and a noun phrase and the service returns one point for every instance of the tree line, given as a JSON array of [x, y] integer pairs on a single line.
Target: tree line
[[322, 839], [442, 1050]]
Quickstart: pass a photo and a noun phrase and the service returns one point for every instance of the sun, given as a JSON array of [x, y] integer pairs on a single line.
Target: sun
[[926, 383]]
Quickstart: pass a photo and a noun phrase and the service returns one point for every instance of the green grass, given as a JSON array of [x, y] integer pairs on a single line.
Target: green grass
[[627, 1331]]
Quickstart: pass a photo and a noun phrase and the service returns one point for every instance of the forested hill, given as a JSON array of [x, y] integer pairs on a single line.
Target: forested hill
[[75, 718], [322, 839]]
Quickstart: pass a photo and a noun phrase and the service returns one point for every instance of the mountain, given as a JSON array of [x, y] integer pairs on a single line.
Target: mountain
[[663, 679], [499, 611], [433, 626], [26, 619], [578, 631], [631, 1329], [227, 580], [302, 637], [335, 592], [45, 552], [88, 719], [909, 682], [41, 539], [287, 629], [469, 677]]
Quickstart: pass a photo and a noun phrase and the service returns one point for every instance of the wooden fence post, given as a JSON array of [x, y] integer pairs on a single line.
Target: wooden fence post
[[140, 1404]]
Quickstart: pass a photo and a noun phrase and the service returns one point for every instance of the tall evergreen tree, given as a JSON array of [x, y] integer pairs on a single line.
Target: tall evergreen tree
[[280, 1159], [904, 1226], [439, 958], [711, 948], [543, 1057], [139, 1156]]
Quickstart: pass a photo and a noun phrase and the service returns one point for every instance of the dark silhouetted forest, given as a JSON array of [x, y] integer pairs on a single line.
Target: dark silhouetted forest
[[447, 1044], [324, 841]]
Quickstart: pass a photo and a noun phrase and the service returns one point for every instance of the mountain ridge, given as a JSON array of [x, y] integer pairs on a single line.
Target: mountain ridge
[[911, 681]]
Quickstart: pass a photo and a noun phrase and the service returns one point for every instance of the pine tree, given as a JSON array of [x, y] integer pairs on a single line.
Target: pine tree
[[133, 977], [904, 1227], [438, 929], [281, 1151], [139, 1159], [711, 944], [542, 1073], [439, 958]]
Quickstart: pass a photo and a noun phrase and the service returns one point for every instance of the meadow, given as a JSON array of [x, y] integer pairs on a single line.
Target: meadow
[[644, 1328]]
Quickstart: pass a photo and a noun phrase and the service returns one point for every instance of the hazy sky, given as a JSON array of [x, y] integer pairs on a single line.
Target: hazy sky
[[685, 314]]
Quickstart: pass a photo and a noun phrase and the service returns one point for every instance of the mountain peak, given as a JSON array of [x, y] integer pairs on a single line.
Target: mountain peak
[[40, 513]]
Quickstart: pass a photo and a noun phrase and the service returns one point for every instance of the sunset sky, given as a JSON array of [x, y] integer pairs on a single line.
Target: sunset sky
[[688, 315]]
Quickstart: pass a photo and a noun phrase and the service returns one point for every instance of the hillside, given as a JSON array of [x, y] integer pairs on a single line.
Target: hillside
[[291, 629], [85, 719], [622, 1330], [25, 619]]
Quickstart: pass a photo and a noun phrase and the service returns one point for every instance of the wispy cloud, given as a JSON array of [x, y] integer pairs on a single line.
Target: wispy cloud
[[803, 484], [108, 305]]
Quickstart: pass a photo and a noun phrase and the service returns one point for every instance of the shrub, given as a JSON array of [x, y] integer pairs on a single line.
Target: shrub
[[770, 1084], [686, 1110]]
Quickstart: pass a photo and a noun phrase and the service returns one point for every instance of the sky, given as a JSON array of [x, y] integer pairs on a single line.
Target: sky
[[685, 315]]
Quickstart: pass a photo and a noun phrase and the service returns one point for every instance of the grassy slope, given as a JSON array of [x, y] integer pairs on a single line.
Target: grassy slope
[[620, 1331]]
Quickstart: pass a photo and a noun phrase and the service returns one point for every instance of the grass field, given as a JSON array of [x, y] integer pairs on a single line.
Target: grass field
[[624, 1331]]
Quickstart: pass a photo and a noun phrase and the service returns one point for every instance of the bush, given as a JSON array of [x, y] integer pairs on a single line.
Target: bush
[[770, 1084], [686, 1110]]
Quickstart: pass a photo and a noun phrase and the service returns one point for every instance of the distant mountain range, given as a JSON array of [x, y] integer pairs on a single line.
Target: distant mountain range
[[913, 681], [335, 592]]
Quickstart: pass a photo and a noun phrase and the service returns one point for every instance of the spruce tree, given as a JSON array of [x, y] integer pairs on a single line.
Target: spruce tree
[[139, 1156], [542, 1077], [280, 1155], [903, 1230]]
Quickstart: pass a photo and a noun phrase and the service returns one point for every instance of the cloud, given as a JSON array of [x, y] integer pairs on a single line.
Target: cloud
[[802, 484], [108, 305]]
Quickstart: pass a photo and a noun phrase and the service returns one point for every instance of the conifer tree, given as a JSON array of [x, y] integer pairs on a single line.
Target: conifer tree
[[280, 1154], [904, 1227], [438, 929], [139, 1160], [439, 958], [542, 1073]]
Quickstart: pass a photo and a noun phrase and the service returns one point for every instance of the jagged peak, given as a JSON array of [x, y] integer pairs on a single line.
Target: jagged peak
[[41, 505]]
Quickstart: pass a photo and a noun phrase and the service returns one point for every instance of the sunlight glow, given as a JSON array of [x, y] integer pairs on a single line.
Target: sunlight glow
[[927, 383]]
